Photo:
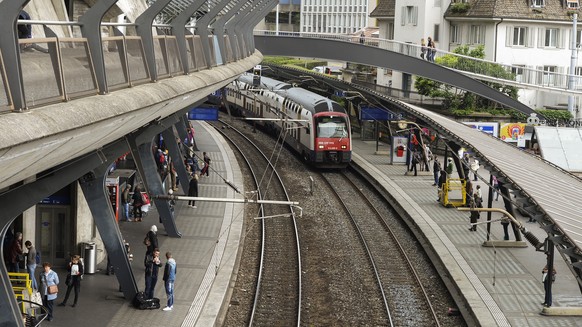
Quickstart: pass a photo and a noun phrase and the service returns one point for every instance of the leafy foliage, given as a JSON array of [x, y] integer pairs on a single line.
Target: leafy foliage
[[458, 101], [460, 7], [556, 115]]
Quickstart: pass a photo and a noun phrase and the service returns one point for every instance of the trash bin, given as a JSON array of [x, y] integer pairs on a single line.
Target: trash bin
[[90, 257]]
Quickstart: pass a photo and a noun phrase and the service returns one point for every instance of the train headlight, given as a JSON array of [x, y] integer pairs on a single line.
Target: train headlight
[[320, 146], [344, 147]]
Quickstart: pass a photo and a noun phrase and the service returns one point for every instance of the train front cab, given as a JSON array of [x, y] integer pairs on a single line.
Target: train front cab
[[332, 144]]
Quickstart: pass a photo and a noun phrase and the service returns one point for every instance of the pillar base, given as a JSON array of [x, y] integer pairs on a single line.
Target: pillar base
[[505, 244]]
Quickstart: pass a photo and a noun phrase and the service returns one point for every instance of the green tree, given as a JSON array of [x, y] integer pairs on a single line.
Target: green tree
[[460, 100]]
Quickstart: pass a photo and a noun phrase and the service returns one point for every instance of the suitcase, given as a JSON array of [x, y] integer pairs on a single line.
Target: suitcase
[[141, 303]]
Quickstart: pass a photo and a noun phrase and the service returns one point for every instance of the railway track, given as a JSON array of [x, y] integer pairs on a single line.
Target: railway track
[[405, 300], [277, 299]]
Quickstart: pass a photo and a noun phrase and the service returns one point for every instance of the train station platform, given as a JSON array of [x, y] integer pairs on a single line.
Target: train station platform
[[500, 286], [206, 256]]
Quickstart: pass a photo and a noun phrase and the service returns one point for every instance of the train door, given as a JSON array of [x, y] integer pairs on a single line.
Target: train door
[[56, 235]]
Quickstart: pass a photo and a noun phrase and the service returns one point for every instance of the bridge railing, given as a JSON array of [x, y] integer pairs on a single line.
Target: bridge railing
[[537, 77]]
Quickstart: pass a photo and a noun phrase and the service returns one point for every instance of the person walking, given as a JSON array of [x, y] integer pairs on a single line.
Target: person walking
[[169, 279], [548, 280], [75, 271], [126, 200], [137, 204], [505, 223], [152, 265], [206, 168], [193, 190], [436, 168], [16, 253], [31, 263], [49, 281], [474, 213]]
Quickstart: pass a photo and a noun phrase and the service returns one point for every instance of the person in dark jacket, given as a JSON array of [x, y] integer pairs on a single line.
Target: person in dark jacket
[[75, 269], [137, 204], [475, 215], [16, 253], [436, 168], [193, 190], [153, 238], [152, 265]]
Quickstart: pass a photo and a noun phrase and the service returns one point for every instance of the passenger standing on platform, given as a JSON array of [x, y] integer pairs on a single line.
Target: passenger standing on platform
[[206, 168], [505, 223], [468, 192], [48, 278], [414, 161], [474, 167], [474, 213], [450, 166], [152, 266], [137, 204], [16, 253], [496, 187], [466, 166], [126, 200], [441, 184], [193, 190], [152, 237], [547, 284], [479, 194], [31, 263], [169, 278], [75, 269], [436, 168], [428, 156]]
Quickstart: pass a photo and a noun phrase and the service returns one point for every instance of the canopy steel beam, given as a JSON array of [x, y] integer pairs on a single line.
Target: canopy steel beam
[[94, 189], [144, 30], [11, 53], [220, 28], [179, 30]]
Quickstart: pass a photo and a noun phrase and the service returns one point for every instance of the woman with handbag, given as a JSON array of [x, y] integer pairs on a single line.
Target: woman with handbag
[[75, 269], [48, 289]]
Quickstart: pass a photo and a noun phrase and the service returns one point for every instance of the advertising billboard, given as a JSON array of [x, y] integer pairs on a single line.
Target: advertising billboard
[[489, 128], [512, 132]]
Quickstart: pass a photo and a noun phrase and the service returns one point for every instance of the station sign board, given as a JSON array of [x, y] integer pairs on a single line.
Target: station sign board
[[203, 113]]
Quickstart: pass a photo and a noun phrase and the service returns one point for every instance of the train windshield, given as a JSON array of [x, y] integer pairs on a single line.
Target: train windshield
[[331, 127]]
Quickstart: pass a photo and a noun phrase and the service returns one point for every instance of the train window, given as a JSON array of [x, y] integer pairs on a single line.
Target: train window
[[331, 127]]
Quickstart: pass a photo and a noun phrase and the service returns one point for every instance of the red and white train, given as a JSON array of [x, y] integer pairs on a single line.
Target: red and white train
[[317, 127]]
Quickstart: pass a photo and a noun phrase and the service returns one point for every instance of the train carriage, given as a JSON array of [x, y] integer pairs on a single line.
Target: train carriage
[[317, 127]]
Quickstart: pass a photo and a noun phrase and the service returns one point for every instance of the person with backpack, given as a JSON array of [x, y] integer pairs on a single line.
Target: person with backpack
[[32, 259]]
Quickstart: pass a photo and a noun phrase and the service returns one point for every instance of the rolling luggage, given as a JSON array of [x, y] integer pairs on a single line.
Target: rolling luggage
[[140, 302]]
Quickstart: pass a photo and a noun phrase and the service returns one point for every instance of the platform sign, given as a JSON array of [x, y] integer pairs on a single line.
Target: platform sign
[[489, 128], [203, 113], [371, 113]]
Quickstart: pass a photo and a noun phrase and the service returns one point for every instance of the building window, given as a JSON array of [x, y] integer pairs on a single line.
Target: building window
[[409, 15], [436, 32], [572, 4], [537, 3], [477, 34], [549, 75], [517, 71], [551, 39], [519, 36], [455, 34]]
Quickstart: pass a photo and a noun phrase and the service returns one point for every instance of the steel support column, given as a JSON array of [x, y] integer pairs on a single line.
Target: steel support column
[[233, 28], [202, 25], [253, 19], [11, 52], [219, 28], [177, 157], [93, 186], [91, 29], [143, 28], [23, 197], [509, 208], [179, 30], [140, 144]]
